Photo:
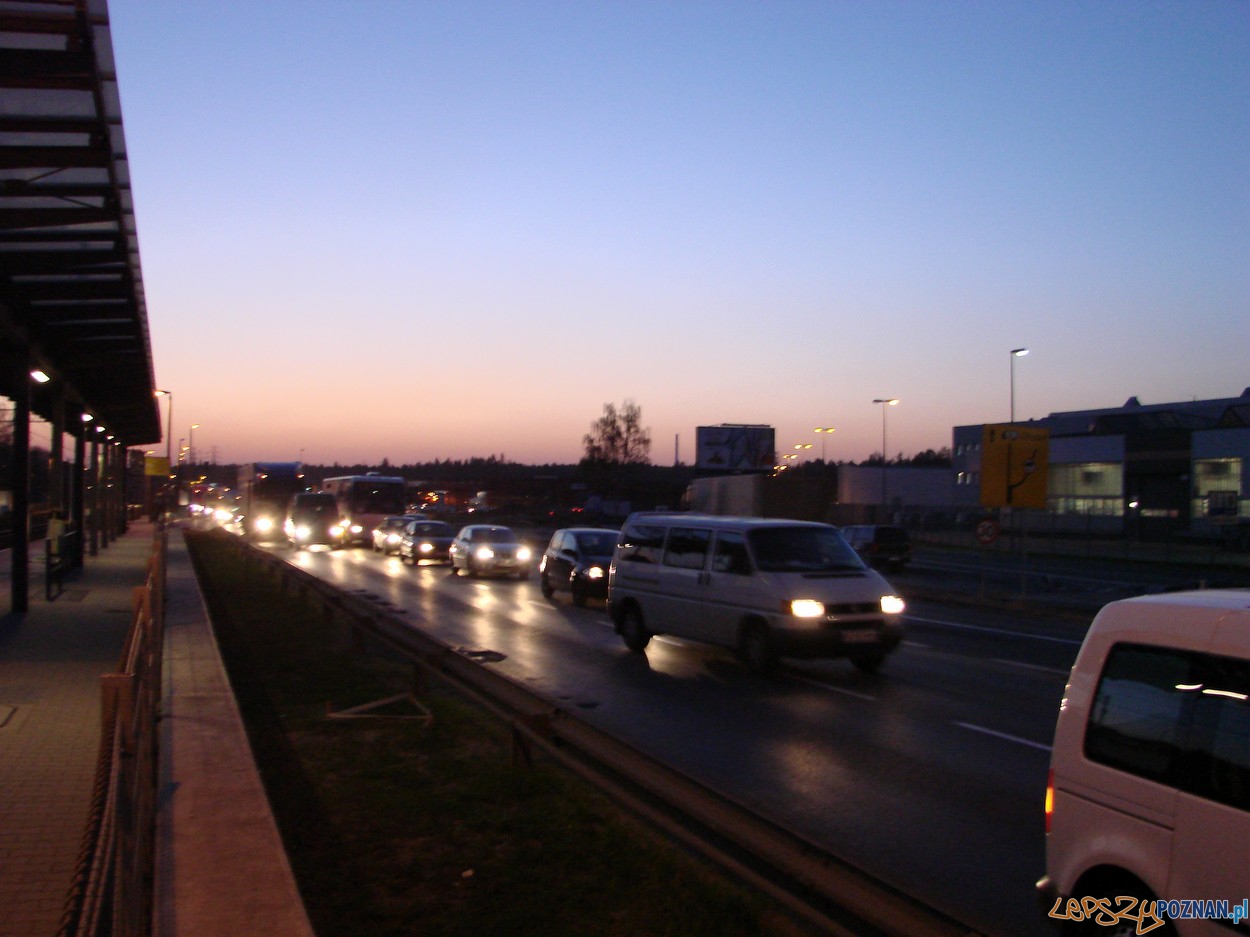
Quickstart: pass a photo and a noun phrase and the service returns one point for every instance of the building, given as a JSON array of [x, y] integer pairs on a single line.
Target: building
[[1145, 469]]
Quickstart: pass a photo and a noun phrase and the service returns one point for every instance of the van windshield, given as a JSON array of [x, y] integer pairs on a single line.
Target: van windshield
[[802, 550]]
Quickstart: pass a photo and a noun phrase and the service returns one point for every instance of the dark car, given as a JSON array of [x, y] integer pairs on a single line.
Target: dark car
[[390, 529], [313, 518], [576, 561], [490, 549], [879, 544], [426, 540]]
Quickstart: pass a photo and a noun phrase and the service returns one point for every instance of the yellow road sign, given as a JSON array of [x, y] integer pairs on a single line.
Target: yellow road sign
[[1014, 457]]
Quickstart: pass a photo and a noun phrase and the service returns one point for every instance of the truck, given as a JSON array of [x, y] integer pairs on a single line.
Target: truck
[[265, 489]]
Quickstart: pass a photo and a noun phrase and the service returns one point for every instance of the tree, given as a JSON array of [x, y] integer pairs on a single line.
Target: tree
[[617, 437]]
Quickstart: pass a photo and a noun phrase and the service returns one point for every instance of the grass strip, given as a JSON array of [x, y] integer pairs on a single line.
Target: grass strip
[[396, 827]]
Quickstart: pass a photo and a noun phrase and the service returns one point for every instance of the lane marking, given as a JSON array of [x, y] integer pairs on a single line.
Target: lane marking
[[1039, 667], [836, 689], [1003, 735], [999, 631]]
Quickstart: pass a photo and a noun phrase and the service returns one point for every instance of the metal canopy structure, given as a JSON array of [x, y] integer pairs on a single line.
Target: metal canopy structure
[[71, 289]]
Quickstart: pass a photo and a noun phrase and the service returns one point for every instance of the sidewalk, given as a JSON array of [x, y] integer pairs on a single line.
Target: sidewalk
[[221, 866], [51, 659]]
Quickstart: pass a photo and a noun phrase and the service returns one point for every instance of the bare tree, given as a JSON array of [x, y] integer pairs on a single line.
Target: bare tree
[[617, 437]]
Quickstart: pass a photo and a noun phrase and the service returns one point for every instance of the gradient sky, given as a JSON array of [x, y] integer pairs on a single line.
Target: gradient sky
[[418, 230]]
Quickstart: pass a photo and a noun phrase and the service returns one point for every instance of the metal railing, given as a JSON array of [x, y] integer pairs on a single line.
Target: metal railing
[[111, 891], [814, 883]]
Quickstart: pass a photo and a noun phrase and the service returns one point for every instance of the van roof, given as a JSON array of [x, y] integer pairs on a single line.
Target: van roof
[[1232, 599], [719, 520]]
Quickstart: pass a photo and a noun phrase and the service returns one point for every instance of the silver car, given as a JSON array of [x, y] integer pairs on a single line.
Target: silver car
[[488, 549]]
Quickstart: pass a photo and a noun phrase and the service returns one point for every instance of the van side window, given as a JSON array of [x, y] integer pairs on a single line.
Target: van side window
[[687, 547], [641, 543], [730, 554], [1176, 717]]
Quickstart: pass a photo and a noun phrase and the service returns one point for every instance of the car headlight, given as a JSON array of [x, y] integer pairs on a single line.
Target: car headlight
[[524, 553], [302, 532], [426, 547], [264, 524], [807, 608], [892, 605], [356, 528], [594, 572], [336, 530], [484, 553], [392, 538]]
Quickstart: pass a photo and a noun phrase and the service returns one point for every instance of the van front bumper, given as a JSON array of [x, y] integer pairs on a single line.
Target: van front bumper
[[845, 639]]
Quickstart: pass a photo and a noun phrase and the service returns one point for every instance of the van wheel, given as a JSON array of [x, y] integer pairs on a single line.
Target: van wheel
[[1115, 886], [633, 632], [755, 648], [868, 663]]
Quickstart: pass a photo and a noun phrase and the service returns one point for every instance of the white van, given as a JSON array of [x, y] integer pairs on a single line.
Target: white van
[[1148, 805], [767, 588]]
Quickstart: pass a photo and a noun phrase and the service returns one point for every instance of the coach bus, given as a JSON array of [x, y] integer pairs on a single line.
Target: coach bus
[[365, 499]]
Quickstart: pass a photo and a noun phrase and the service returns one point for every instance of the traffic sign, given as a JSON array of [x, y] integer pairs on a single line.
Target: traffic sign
[[1014, 458], [987, 531]]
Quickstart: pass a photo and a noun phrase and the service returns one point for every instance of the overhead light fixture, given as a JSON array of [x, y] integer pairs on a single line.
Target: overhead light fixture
[[87, 418], [40, 377]]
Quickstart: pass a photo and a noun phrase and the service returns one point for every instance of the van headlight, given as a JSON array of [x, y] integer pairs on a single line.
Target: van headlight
[[892, 605], [807, 608]]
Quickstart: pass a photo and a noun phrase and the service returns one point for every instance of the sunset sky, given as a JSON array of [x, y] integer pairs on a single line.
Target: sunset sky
[[414, 230]]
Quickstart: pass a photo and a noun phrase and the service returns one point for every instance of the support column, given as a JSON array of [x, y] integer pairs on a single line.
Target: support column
[[78, 515], [20, 582]]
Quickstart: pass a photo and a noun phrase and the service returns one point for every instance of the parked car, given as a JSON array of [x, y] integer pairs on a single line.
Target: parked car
[[880, 545], [390, 529], [1148, 798], [312, 517], [489, 549], [577, 561], [426, 540], [766, 588]]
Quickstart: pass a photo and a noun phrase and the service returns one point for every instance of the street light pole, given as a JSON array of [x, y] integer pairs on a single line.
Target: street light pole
[[1015, 353], [191, 444], [885, 402], [824, 431]]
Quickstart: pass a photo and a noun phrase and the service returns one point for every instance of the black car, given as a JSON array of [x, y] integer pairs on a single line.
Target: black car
[[879, 544], [577, 561], [313, 518], [426, 540]]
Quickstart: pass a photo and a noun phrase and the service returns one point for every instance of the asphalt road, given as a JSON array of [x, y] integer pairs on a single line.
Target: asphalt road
[[929, 775]]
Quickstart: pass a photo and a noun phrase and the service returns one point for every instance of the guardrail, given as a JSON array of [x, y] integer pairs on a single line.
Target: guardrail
[[111, 891], [815, 884]]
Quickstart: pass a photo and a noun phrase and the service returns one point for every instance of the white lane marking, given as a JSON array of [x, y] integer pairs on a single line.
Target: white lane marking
[[836, 689], [1000, 631], [1019, 663], [1004, 736]]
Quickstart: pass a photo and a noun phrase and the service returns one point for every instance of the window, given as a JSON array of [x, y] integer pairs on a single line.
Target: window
[[687, 547], [641, 543], [1176, 717], [730, 555]]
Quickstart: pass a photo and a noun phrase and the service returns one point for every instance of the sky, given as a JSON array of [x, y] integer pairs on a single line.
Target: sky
[[411, 230]]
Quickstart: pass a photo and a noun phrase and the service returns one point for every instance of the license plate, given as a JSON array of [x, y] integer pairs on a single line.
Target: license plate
[[866, 636]]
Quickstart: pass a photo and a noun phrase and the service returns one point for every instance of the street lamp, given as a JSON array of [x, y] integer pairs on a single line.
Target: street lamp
[[1015, 353], [169, 427], [885, 402], [191, 444], [824, 431]]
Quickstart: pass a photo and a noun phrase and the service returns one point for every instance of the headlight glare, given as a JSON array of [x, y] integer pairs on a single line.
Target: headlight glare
[[807, 608], [892, 605]]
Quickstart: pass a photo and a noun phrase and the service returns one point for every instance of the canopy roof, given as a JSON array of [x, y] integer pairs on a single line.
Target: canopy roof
[[71, 290]]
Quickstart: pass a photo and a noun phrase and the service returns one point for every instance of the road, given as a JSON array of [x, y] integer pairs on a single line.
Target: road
[[929, 775]]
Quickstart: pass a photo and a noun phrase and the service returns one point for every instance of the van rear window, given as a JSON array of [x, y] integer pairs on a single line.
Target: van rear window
[[1177, 717]]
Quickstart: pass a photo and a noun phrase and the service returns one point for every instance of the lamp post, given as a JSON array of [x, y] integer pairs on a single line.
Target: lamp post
[[885, 402], [1015, 353], [191, 444], [824, 431]]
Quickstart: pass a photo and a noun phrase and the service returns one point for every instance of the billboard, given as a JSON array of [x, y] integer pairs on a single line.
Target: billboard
[[735, 447]]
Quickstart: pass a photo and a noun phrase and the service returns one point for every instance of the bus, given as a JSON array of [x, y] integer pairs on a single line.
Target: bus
[[365, 499], [264, 490]]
